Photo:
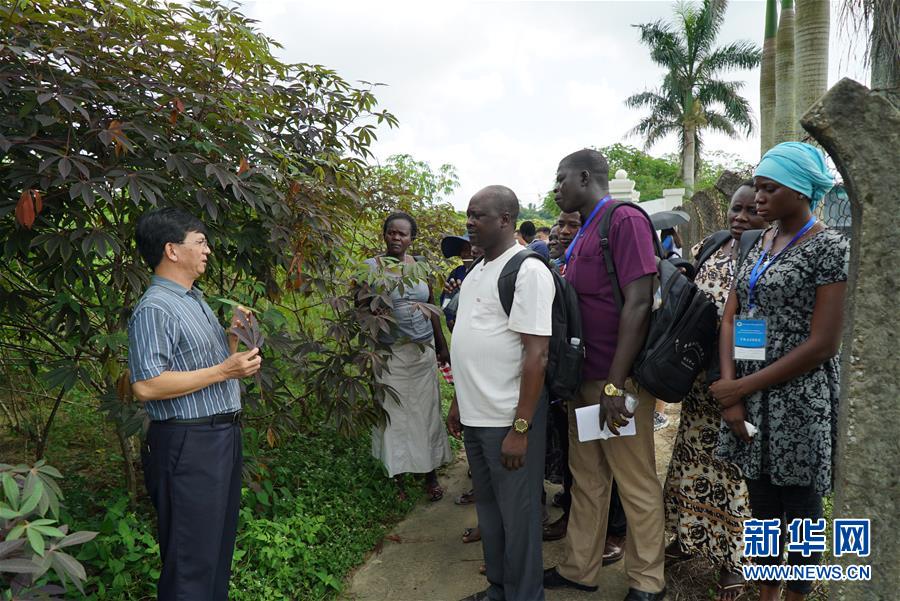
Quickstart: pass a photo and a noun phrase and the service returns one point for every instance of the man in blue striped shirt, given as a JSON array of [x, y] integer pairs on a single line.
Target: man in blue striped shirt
[[183, 370]]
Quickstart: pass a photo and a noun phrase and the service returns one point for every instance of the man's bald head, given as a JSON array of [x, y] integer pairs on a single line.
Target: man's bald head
[[491, 219], [500, 199]]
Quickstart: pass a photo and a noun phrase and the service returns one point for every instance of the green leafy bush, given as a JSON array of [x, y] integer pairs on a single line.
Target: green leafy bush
[[30, 543], [123, 561], [329, 503]]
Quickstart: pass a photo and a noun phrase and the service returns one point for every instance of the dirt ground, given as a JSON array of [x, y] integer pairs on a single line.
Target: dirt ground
[[423, 558]]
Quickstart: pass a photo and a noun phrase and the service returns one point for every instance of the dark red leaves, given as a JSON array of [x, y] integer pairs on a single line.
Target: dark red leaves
[[29, 207], [115, 130], [244, 166]]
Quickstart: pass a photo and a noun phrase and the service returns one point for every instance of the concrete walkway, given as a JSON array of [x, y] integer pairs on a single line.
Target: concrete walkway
[[424, 559]]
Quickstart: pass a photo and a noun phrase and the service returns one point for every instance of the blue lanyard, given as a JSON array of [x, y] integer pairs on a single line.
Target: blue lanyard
[[760, 268], [584, 226]]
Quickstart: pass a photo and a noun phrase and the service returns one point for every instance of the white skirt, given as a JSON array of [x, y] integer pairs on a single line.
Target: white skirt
[[414, 440]]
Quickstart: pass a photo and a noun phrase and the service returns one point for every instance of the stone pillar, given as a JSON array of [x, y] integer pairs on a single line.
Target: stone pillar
[[622, 188], [674, 197], [728, 183], [860, 129]]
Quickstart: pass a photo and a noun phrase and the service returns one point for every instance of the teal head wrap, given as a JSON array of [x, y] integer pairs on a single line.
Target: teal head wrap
[[800, 167]]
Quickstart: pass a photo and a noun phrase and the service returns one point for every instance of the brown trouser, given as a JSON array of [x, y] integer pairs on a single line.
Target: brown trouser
[[631, 461]]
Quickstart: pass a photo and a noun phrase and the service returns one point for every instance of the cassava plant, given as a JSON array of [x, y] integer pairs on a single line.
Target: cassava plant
[[31, 543]]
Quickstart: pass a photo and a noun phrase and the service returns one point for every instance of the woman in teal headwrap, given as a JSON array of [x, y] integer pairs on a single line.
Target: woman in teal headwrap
[[794, 282]]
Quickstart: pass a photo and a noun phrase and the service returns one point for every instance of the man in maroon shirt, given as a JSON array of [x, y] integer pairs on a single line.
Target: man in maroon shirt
[[613, 339]]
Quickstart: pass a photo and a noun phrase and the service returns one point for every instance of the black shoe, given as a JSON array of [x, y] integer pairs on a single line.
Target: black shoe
[[479, 596], [552, 579], [636, 595]]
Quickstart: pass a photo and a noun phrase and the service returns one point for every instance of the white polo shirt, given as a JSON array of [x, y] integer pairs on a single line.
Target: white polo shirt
[[487, 350]]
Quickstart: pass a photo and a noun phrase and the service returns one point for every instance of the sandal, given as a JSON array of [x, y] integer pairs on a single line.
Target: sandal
[[675, 555], [471, 535], [467, 498], [730, 586], [435, 492]]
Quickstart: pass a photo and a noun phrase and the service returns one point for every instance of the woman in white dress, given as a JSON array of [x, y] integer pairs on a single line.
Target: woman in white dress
[[414, 439]]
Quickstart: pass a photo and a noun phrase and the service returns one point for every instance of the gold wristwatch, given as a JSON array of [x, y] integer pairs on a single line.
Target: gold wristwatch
[[521, 425], [610, 390]]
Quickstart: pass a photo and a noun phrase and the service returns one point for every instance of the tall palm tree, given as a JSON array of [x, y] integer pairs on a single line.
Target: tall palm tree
[[785, 118], [767, 81], [811, 53], [692, 98], [881, 20]]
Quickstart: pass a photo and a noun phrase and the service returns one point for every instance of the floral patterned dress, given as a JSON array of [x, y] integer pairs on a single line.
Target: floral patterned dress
[[706, 497], [797, 420]]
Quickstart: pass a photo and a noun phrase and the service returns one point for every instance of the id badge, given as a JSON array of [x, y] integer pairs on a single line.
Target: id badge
[[750, 339]]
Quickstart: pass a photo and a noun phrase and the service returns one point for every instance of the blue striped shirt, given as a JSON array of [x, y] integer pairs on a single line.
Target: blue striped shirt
[[173, 329]]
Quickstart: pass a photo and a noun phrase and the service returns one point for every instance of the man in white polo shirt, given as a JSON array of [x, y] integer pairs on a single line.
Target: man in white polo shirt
[[498, 368]]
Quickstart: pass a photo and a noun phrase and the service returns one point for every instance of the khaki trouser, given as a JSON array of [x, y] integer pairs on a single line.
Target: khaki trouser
[[631, 461]]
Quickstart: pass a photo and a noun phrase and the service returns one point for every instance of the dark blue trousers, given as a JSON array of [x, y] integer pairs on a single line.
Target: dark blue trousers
[[193, 476]]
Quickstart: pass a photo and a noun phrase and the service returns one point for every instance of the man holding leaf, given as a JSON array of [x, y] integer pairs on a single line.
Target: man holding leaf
[[186, 370]]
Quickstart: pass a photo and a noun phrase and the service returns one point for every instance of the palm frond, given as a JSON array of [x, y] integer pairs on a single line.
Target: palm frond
[[726, 94], [665, 46], [737, 55], [720, 123]]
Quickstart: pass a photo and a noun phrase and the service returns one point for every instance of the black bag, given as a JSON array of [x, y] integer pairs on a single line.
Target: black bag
[[681, 339], [709, 247], [566, 353]]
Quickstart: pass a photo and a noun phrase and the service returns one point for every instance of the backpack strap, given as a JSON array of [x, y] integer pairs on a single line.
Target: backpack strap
[[710, 246], [607, 252], [748, 240], [506, 283]]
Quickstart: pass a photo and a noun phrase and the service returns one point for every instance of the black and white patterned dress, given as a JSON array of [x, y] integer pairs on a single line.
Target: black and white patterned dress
[[797, 420]]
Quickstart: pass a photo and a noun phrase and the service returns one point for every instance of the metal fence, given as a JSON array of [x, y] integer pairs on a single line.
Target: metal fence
[[834, 210]]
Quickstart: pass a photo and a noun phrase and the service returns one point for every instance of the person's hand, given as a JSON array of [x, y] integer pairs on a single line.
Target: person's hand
[[735, 417], [443, 356], [728, 392], [235, 315], [452, 285], [454, 426], [241, 365], [513, 449], [617, 415]]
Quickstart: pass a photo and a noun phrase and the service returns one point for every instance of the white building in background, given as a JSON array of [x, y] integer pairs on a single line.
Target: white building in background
[[622, 188]]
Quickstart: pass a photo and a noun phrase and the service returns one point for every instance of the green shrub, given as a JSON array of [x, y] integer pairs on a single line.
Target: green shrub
[[317, 505], [31, 543], [324, 505], [124, 559]]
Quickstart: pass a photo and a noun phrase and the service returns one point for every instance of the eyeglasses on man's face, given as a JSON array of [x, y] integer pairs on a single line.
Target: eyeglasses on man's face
[[200, 242]]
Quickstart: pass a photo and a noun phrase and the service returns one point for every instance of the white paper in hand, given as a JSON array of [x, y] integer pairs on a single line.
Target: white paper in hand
[[588, 420]]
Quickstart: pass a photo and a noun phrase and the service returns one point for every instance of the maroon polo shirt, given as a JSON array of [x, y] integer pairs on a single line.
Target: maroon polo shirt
[[631, 242]]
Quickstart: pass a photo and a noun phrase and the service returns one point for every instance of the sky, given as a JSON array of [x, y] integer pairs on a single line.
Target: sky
[[503, 90]]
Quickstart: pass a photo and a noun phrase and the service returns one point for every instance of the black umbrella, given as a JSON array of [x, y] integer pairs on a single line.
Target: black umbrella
[[667, 219]]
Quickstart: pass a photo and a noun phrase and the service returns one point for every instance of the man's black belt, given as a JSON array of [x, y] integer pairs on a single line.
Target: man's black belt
[[209, 420]]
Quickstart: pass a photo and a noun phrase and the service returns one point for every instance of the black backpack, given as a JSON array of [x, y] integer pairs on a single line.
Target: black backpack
[[748, 239], [566, 353], [681, 339]]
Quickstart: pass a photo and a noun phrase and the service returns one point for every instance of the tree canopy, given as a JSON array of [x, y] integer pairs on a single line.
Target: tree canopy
[[113, 107]]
